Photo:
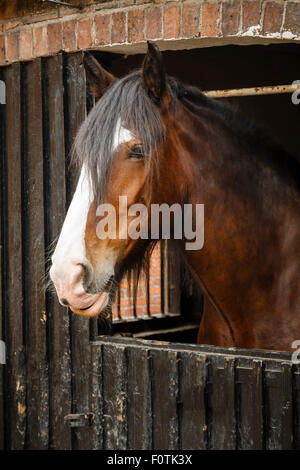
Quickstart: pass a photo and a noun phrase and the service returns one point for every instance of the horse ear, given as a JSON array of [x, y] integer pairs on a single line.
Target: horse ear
[[99, 79], [154, 74]]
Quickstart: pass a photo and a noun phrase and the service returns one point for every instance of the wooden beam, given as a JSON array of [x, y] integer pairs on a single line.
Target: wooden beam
[[258, 90]]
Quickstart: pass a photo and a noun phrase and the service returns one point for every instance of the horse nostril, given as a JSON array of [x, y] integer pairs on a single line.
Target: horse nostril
[[64, 302]]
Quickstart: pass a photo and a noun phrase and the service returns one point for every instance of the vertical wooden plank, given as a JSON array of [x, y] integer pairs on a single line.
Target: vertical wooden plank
[[223, 435], [114, 397], [165, 399], [2, 243], [278, 407], [296, 408], [75, 112], [192, 396], [96, 396], [37, 432], [139, 399], [250, 407], [14, 324], [55, 204]]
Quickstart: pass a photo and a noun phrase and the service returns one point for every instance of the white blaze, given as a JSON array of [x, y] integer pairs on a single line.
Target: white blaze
[[70, 247]]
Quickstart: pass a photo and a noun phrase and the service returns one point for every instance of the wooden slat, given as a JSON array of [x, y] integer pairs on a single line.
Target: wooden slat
[[192, 397], [139, 400], [14, 324], [96, 397], [250, 407], [164, 399], [55, 193], [278, 408], [34, 264], [75, 111], [2, 244], [296, 408], [222, 435], [114, 397]]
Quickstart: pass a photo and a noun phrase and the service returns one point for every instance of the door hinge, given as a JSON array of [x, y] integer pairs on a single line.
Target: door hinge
[[76, 420]]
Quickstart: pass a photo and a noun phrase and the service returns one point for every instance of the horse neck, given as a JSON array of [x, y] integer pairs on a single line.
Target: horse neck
[[247, 251]]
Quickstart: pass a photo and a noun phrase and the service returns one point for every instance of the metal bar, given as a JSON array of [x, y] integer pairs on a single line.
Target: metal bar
[[258, 90], [64, 4]]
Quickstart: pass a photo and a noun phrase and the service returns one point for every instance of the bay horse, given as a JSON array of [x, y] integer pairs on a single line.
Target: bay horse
[[156, 140]]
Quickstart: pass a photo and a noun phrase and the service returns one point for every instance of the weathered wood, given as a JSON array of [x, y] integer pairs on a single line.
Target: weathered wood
[[37, 431], [115, 395], [250, 406], [2, 241], [75, 111], [96, 397], [193, 377], [14, 319], [222, 433], [165, 399], [278, 408], [55, 205], [296, 408], [139, 399]]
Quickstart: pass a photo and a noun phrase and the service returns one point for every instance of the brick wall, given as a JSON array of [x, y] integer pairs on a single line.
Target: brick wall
[[125, 299], [130, 23]]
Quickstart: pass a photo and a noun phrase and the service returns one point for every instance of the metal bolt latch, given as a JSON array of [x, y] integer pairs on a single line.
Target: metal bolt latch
[[76, 420]]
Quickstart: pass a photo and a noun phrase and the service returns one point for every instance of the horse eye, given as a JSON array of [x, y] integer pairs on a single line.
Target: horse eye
[[136, 152]]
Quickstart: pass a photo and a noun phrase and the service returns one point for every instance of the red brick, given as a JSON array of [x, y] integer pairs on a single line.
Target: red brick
[[135, 25], [292, 18], [272, 18], [54, 32], [210, 19], [141, 311], [154, 290], [172, 22], [125, 302], [84, 33], [102, 29], [153, 23], [190, 21], [118, 27], [230, 17], [2, 50], [12, 46], [26, 44], [155, 262], [155, 271], [141, 301], [155, 309], [155, 281], [251, 13], [69, 35], [40, 41]]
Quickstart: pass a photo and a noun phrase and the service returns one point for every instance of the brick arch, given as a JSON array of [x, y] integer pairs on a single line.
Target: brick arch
[[175, 25]]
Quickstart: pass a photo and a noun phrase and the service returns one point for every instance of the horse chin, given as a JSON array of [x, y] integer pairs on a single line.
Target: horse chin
[[96, 308]]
